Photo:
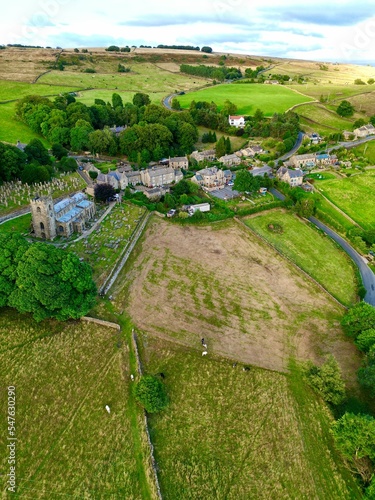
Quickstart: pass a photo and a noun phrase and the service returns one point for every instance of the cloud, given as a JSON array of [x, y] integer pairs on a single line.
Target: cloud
[[182, 19], [322, 14], [40, 20]]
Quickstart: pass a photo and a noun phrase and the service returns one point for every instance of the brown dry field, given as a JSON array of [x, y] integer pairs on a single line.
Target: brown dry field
[[224, 284], [25, 65]]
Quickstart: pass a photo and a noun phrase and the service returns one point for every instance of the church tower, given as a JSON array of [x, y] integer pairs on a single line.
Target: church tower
[[43, 217]]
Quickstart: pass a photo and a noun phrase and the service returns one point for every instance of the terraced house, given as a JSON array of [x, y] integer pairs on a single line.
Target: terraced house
[[162, 176]]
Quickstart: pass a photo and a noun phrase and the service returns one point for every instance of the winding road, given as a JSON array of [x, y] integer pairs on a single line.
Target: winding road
[[368, 277]]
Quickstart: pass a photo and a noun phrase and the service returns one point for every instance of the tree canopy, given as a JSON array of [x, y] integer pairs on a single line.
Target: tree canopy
[[151, 394]]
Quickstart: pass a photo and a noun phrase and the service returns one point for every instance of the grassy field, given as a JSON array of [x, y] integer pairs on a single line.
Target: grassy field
[[248, 97], [234, 434], [16, 195], [17, 90], [25, 65], [322, 117], [353, 196], [12, 130], [367, 150], [144, 77], [68, 445], [312, 251], [331, 92], [103, 247], [223, 283]]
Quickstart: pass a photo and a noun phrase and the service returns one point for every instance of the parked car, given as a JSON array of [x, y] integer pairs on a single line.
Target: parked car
[[171, 212]]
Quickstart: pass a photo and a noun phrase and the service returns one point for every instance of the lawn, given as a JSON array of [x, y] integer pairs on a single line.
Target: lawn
[[354, 196], [68, 446], [104, 246], [314, 252], [223, 283], [248, 97], [20, 225], [234, 434], [144, 77], [14, 195]]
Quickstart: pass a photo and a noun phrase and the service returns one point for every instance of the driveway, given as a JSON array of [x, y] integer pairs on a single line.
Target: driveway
[[227, 193]]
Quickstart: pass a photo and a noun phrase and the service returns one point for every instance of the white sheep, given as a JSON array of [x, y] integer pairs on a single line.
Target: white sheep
[[108, 408], [204, 353], [132, 377], [204, 345]]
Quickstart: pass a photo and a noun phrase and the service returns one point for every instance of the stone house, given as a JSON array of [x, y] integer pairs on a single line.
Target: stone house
[[162, 176], [292, 177], [179, 162], [303, 161], [134, 177], [230, 160], [210, 178], [364, 131], [209, 155], [154, 194], [60, 219]]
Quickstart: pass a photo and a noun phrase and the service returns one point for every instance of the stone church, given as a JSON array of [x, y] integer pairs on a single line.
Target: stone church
[[60, 219]]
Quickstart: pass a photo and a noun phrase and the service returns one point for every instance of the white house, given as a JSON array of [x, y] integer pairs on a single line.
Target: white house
[[237, 121]]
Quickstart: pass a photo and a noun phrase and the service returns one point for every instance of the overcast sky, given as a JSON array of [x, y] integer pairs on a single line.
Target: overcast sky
[[322, 30]]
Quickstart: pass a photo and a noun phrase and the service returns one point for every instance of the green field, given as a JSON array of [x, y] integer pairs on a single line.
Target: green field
[[248, 97], [144, 77], [322, 117], [17, 90], [234, 434], [331, 92], [12, 130], [68, 445], [312, 251], [354, 196], [20, 225], [367, 150]]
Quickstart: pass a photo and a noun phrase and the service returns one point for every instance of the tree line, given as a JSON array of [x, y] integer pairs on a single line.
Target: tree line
[[216, 73], [151, 131], [44, 280]]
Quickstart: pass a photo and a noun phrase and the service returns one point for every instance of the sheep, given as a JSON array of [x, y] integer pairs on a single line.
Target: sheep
[[204, 345], [204, 353], [108, 408], [132, 377]]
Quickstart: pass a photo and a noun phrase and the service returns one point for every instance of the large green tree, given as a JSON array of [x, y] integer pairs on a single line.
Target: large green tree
[[246, 182], [52, 283], [12, 248], [151, 394], [326, 380], [35, 151], [345, 109], [359, 318]]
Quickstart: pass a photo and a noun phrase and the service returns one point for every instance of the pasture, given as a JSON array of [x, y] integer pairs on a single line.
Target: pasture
[[248, 97], [64, 375], [353, 195], [186, 282], [331, 92], [234, 434], [16, 90], [25, 65], [367, 150], [103, 247], [144, 77], [311, 250], [319, 116]]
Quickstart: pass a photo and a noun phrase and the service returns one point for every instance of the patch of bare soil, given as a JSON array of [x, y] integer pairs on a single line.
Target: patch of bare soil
[[225, 285]]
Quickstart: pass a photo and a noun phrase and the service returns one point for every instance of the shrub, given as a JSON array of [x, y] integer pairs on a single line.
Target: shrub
[[366, 340], [150, 393], [326, 380]]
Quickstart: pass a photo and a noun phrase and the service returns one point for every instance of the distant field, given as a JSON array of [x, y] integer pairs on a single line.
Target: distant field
[[248, 97], [354, 196], [68, 445], [364, 102], [12, 130], [330, 91], [220, 281], [145, 77], [313, 252], [25, 65], [17, 90], [325, 73], [230, 434]]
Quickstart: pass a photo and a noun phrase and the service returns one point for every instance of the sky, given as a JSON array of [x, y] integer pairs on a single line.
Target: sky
[[336, 31]]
